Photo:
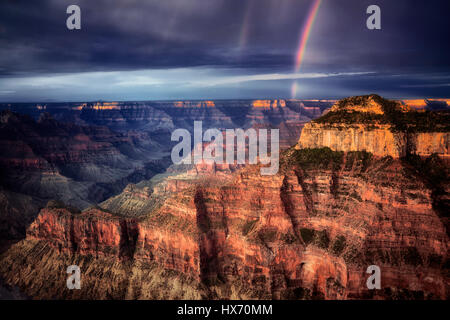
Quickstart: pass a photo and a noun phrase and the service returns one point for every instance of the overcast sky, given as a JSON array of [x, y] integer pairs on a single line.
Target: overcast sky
[[202, 49]]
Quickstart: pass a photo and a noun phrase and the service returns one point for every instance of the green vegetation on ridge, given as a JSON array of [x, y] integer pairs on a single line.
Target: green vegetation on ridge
[[410, 121], [317, 158]]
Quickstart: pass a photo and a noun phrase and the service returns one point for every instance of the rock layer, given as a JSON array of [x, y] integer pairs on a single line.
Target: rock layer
[[378, 126], [379, 140], [309, 232]]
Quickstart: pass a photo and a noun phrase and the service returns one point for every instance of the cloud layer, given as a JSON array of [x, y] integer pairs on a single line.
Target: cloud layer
[[227, 48]]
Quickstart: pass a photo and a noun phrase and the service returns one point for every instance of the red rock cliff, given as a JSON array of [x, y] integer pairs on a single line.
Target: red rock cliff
[[309, 232]]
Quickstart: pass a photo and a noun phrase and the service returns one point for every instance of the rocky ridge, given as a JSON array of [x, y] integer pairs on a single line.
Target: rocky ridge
[[379, 126]]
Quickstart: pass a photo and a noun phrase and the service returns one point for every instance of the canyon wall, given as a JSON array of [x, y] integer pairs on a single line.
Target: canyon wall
[[80, 165], [310, 232], [381, 140], [98, 233], [427, 143], [159, 118], [83, 153], [378, 140], [379, 126], [160, 115], [77, 164]]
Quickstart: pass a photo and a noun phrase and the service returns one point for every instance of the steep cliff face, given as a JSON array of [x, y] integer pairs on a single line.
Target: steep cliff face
[[98, 233], [309, 232], [379, 126], [17, 212], [427, 143], [379, 140]]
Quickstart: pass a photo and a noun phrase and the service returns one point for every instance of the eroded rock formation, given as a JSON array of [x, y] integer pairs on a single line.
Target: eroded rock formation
[[379, 126], [308, 232]]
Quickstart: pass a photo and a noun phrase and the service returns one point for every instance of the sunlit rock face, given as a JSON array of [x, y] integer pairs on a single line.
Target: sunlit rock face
[[374, 125], [430, 104], [427, 143], [310, 232], [366, 105], [380, 140]]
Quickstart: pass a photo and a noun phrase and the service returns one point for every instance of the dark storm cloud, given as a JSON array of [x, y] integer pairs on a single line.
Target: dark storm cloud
[[127, 35], [250, 36]]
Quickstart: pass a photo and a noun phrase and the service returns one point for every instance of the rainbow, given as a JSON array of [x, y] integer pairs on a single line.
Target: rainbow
[[244, 30], [306, 32], [245, 25]]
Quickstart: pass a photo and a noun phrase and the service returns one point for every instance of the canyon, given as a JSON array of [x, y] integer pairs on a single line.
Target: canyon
[[84, 153], [357, 187]]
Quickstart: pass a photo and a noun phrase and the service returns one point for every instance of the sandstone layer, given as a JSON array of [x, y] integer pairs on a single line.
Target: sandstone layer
[[379, 126], [309, 232]]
